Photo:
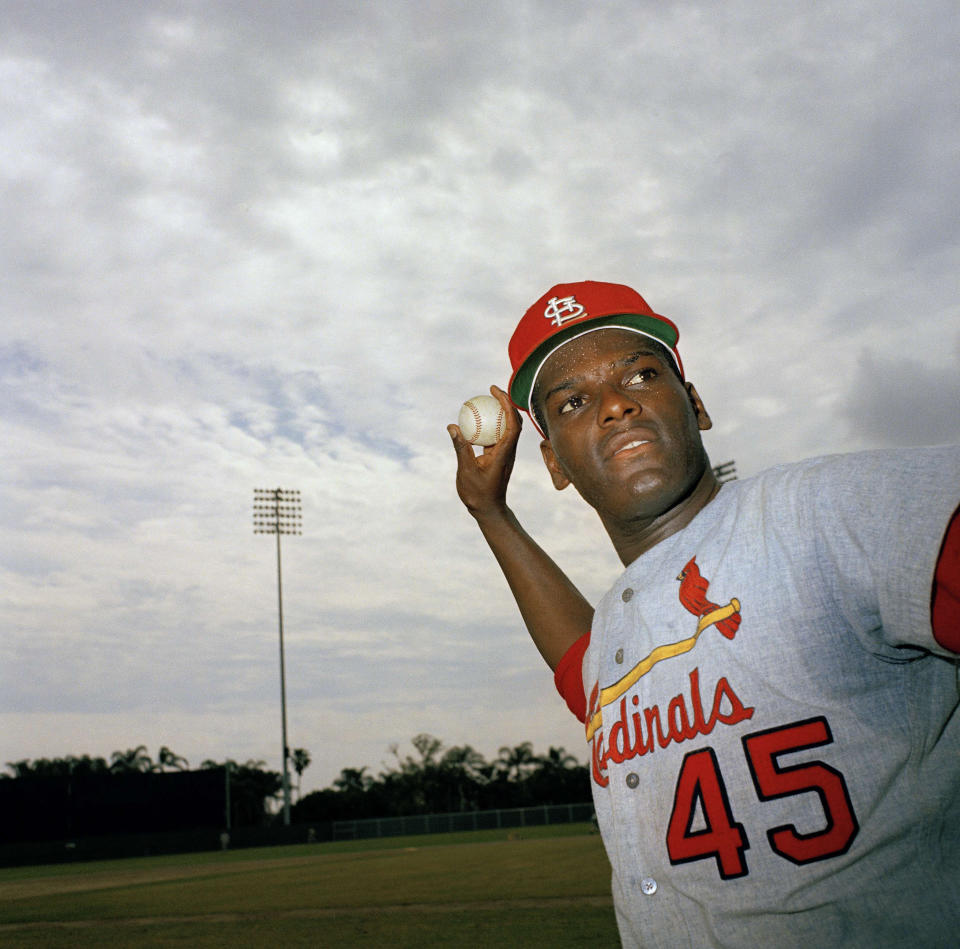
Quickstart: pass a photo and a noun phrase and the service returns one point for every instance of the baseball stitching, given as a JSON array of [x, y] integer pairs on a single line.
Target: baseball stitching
[[477, 422]]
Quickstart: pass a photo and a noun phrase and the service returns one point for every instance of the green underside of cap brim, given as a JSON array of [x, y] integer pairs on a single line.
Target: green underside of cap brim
[[648, 325]]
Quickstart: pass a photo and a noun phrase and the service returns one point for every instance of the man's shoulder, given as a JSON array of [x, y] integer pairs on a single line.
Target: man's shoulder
[[842, 468], [810, 494], [874, 493]]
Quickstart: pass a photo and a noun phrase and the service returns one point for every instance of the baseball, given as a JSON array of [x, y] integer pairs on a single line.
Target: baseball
[[482, 420]]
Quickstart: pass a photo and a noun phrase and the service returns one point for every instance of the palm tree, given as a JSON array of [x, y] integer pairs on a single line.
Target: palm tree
[[87, 765], [353, 779], [300, 759], [559, 779], [167, 757], [20, 769], [465, 771], [467, 760], [516, 763], [133, 759], [558, 759]]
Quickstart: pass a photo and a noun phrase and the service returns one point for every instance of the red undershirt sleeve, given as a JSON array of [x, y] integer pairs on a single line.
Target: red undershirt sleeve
[[945, 604], [568, 677]]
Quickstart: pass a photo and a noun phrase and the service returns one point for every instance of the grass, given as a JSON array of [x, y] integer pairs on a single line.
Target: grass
[[545, 886]]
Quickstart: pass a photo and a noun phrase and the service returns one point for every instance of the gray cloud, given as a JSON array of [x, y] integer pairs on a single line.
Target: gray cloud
[[898, 400]]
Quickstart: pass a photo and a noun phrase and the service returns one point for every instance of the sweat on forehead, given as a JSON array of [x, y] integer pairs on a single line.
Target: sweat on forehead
[[560, 362], [594, 341]]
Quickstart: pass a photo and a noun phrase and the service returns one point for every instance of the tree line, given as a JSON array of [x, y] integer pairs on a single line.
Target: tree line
[[434, 779], [71, 794], [133, 760], [438, 780]]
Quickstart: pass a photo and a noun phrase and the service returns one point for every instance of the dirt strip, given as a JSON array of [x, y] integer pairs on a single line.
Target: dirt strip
[[82, 881], [311, 913]]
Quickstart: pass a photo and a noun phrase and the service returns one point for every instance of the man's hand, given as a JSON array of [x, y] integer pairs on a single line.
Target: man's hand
[[482, 479]]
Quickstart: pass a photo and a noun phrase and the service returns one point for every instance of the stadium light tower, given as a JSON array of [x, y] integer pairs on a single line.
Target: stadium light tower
[[726, 471], [277, 511]]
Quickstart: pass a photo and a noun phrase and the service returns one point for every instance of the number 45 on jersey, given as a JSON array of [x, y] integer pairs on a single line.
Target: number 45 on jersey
[[700, 782]]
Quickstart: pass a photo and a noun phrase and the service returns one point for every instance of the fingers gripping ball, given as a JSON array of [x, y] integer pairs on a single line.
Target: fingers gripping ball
[[482, 420]]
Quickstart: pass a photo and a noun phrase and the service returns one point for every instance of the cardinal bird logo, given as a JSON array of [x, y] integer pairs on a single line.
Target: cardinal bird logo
[[693, 597]]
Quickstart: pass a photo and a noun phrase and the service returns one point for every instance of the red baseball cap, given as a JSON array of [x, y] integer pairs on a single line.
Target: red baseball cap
[[569, 310]]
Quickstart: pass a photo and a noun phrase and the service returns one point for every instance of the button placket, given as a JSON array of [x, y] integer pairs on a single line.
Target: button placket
[[626, 595]]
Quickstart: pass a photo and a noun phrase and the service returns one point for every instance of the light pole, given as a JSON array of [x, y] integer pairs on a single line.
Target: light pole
[[726, 471], [277, 511]]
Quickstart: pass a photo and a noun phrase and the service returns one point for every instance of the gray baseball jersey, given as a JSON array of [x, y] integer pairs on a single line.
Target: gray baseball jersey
[[774, 732]]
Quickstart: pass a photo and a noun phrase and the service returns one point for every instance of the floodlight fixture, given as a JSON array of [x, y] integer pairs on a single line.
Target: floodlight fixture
[[727, 471]]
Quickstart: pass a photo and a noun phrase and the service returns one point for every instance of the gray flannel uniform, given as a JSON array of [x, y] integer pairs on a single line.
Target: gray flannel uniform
[[775, 734]]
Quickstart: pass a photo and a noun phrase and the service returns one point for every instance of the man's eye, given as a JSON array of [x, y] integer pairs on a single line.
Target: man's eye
[[574, 402], [641, 376]]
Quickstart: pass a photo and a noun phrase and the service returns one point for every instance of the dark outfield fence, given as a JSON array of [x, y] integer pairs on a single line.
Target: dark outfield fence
[[103, 847], [62, 807], [465, 820]]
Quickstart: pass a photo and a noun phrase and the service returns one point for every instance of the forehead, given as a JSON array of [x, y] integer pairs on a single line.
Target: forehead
[[598, 349]]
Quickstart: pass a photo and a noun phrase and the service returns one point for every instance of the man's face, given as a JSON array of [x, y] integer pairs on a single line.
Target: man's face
[[622, 427]]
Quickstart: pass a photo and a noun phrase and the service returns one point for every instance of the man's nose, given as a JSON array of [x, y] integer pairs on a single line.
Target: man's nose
[[616, 404]]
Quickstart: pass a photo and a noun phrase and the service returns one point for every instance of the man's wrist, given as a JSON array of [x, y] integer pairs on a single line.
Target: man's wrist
[[493, 515]]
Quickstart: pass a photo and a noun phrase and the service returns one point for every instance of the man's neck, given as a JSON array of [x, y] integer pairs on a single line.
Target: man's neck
[[636, 540]]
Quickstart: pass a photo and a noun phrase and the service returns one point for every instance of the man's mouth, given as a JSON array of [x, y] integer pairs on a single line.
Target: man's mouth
[[630, 446]]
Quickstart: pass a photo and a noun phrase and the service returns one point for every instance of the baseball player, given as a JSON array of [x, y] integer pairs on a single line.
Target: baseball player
[[770, 690]]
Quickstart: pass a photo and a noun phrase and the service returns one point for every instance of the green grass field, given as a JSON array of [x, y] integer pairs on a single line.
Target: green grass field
[[546, 886]]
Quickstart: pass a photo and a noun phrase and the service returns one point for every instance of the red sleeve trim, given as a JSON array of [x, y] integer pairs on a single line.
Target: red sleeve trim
[[568, 677], [945, 608]]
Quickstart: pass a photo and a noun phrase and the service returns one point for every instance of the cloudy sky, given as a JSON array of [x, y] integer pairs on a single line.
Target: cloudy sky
[[248, 245]]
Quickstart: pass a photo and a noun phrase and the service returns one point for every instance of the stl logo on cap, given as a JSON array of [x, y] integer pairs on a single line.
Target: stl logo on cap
[[560, 310]]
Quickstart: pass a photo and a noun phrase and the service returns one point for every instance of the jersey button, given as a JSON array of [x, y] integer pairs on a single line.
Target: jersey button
[[627, 595], [618, 658], [648, 886], [633, 780]]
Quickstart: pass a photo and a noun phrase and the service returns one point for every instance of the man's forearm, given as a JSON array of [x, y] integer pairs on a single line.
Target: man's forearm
[[553, 609]]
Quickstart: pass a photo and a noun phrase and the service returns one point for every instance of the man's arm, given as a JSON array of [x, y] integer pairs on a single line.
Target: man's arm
[[553, 609]]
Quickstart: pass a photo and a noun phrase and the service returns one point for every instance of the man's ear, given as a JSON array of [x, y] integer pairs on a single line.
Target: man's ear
[[704, 422], [557, 474]]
